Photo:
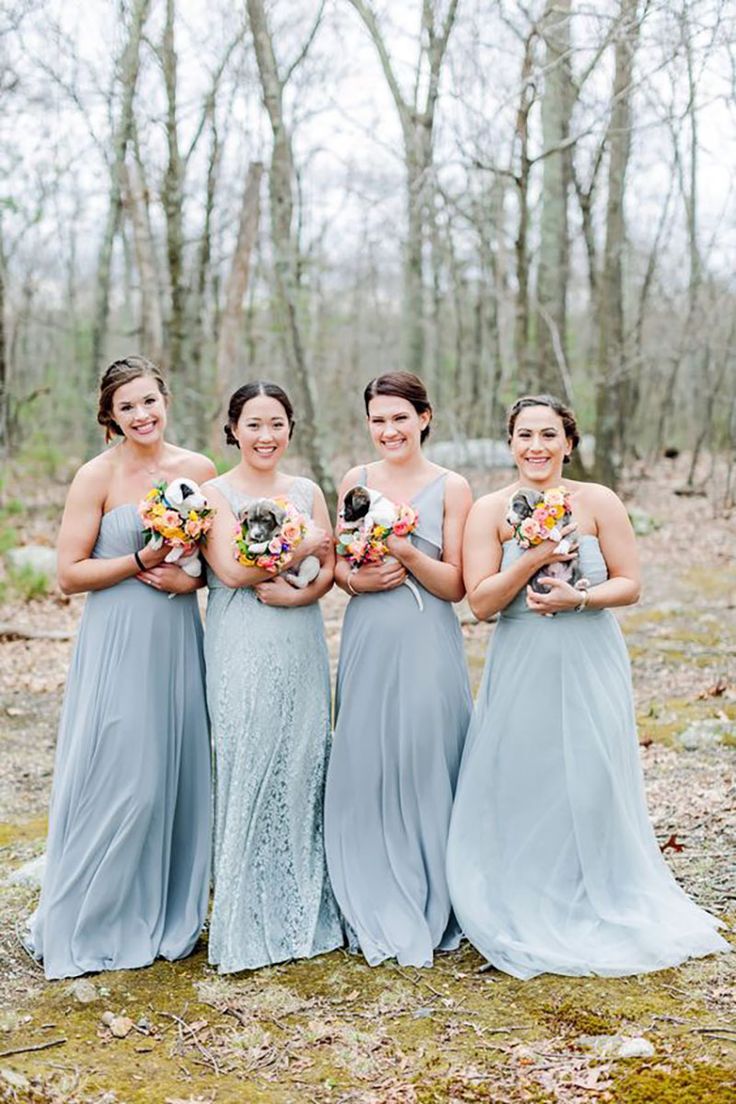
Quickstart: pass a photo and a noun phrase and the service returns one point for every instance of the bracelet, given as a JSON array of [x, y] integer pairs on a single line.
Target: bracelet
[[351, 589], [139, 561], [583, 601]]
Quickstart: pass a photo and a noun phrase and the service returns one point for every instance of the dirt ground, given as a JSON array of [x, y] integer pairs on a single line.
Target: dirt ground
[[334, 1030]]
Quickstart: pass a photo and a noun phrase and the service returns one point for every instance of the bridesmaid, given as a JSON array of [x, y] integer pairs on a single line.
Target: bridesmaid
[[403, 699], [127, 866], [268, 691], [552, 862]]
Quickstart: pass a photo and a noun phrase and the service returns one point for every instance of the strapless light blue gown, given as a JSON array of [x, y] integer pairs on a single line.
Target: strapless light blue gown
[[552, 862], [403, 704], [127, 871], [268, 689]]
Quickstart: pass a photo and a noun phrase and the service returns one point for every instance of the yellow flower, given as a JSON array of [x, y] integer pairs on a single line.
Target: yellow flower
[[549, 523], [158, 509], [153, 493], [192, 515]]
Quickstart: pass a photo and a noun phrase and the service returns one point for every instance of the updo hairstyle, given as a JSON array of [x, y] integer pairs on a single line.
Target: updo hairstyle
[[564, 412], [120, 372], [404, 385], [251, 391]]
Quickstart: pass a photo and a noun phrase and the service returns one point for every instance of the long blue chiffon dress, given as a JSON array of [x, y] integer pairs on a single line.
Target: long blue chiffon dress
[[403, 705], [127, 869], [268, 689], [552, 862]]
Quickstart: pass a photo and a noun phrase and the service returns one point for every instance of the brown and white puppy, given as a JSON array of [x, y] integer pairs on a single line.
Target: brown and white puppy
[[264, 519]]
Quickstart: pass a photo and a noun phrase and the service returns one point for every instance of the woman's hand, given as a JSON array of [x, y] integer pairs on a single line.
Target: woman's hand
[[317, 542], [152, 557], [546, 552], [382, 576], [277, 592], [400, 548], [170, 578], [561, 597]]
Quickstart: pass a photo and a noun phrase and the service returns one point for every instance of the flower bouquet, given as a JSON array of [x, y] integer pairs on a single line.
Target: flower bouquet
[[177, 514], [366, 520], [536, 516], [268, 532]]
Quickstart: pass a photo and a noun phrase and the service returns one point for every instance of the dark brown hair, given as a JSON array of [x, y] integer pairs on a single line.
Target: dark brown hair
[[118, 373], [564, 412], [404, 385], [239, 398]]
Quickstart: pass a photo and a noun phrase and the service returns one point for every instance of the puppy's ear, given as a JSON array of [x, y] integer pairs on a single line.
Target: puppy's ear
[[277, 514]]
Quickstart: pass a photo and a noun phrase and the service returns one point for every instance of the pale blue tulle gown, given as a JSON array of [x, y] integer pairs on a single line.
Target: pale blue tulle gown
[[403, 704], [553, 865], [268, 690], [127, 871]]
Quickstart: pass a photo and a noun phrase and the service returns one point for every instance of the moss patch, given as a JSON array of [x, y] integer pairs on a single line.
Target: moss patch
[[23, 831], [702, 1084]]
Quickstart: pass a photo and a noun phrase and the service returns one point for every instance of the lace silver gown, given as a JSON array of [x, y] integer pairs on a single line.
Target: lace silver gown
[[268, 692]]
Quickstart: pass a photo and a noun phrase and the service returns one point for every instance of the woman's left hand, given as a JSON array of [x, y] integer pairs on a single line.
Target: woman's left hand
[[400, 548], [169, 577], [561, 597], [277, 592]]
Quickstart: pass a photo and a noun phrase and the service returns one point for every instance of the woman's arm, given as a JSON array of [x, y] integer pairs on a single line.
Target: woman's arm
[[279, 592], [80, 525], [443, 578], [618, 547]]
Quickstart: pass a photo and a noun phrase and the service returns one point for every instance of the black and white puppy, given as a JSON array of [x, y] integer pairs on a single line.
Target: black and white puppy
[[264, 519], [363, 508]]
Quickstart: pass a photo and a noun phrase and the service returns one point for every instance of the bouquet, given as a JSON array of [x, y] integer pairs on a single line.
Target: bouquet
[[367, 518], [177, 514], [536, 516], [268, 532]]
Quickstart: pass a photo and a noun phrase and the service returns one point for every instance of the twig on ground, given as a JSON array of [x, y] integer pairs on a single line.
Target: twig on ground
[[28, 1049]]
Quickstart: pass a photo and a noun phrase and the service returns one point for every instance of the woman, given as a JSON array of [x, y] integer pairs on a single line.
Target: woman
[[127, 866], [552, 862], [403, 699], [269, 698]]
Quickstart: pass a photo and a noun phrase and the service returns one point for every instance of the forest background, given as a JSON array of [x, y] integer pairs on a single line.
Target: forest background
[[501, 196]]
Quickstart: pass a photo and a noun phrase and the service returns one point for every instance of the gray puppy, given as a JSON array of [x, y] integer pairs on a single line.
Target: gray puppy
[[264, 519], [522, 506]]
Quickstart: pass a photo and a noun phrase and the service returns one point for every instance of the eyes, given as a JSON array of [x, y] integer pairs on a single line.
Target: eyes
[[150, 400], [378, 419], [276, 425], [549, 434]]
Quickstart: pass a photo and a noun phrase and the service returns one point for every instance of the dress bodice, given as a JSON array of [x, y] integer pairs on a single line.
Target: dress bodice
[[592, 566], [120, 533], [429, 503]]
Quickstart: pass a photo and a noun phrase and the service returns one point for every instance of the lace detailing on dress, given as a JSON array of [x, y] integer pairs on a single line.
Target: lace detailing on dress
[[269, 698]]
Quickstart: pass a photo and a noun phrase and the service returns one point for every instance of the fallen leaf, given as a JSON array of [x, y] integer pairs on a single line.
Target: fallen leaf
[[672, 845]]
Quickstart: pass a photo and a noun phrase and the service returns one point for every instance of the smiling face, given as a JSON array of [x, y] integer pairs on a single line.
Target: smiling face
[[139, 409], [539, 446], [395, 426], [262, 431]]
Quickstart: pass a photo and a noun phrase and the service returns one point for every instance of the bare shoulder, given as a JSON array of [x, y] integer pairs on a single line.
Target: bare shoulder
[[93, 478], [598, 498], [194, 464], [352, 477], [456, 483]]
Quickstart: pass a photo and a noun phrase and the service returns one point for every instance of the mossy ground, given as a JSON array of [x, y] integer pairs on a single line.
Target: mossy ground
[[334, 1030]]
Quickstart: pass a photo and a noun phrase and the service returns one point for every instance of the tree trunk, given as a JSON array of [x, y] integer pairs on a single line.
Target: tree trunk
[[173, 198], [229, 338], [281, 183], [136, 202], [553, 269], [4, 375], [613, 368], [128, 77], [525, 381]]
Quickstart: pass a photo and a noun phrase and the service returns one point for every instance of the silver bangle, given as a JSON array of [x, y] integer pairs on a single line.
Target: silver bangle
[[350, 587]]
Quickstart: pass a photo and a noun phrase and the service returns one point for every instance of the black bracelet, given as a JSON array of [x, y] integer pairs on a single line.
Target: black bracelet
[[139, 561]]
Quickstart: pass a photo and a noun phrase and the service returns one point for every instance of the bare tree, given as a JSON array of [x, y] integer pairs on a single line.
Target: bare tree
[[127, 77], [283, 241], [417, 118], [236, 284]]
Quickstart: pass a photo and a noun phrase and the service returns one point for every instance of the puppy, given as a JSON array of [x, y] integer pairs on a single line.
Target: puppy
[[363, 508], [521, 507], [183, 495], [264, 519]]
